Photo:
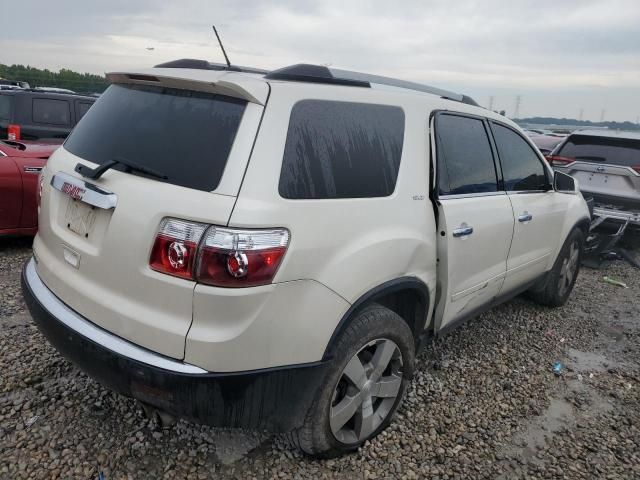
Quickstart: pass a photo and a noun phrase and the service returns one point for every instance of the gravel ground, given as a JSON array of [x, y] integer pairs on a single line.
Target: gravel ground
[[484, 403]]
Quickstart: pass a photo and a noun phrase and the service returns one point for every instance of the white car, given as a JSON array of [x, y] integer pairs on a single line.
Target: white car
[[271, 250]]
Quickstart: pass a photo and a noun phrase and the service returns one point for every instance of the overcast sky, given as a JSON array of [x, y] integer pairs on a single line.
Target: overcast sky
[[560, 56]]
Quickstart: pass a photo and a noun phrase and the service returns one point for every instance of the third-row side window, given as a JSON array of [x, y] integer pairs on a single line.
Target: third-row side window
[[341, 150]]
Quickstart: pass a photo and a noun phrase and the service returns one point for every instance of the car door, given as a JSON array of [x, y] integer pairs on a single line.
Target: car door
[[10, 193], [538, 210], [475, 218]]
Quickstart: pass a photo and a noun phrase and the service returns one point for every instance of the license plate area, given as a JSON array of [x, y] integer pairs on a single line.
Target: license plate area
[[80, 217]]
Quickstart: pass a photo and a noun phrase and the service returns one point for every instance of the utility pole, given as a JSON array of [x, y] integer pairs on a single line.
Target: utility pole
[[491, 98], [516, 110]]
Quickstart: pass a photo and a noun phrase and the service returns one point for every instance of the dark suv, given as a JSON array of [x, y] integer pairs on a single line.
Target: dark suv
[[31, 115]]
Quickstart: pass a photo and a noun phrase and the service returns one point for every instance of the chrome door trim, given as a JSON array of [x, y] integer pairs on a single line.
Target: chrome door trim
[[84, 191], [471, 195], [63, 314], [525, 217]]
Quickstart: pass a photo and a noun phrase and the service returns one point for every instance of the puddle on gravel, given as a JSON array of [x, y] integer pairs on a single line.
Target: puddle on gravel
[[587, 361], [557, 416]]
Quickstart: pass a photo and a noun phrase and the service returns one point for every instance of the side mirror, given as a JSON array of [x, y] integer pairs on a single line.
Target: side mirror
[[564, 183]]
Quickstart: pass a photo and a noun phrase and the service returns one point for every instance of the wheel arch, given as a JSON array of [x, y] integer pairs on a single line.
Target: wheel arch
[[406, 296]]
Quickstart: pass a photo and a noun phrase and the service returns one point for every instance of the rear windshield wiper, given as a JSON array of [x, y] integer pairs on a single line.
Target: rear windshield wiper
[[95, 173]]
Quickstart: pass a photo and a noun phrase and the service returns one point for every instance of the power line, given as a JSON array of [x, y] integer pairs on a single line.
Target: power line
[[516, 110]]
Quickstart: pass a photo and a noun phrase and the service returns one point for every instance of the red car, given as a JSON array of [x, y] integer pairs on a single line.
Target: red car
[[20, 166]]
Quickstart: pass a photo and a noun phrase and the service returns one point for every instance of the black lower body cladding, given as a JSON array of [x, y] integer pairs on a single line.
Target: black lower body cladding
[[273, 399]]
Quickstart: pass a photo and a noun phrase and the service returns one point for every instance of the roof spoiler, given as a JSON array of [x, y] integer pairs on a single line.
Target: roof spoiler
[[204, 65]]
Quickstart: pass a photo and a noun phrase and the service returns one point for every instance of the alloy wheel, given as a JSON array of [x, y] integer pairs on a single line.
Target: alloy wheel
[[569, 268], [366, 391]]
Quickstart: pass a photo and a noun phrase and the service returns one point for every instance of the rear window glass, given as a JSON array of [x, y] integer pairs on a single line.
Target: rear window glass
[[50, 111], [182, 134], [5, 107], [616, 151], [341, 150]]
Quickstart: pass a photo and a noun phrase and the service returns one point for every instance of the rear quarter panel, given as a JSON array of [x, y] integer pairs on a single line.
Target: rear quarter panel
[[348, 245]]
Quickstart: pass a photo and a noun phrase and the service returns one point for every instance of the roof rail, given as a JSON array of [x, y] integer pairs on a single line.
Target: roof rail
[[204, 65], [394, 82], [48, 92], [304, 72], [320, 74]]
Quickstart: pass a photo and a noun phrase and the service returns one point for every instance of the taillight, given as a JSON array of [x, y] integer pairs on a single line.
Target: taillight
[[231, 257], [636, 168], [40, 187], [175, 248], [219, 256], [13, 132], [559, 161]]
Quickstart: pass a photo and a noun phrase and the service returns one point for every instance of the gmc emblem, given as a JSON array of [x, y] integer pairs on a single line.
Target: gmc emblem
[[72, 190]]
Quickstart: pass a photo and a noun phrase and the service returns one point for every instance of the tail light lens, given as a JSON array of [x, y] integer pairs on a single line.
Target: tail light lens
[[40, 187], [175, 248], [219, 256], [559, 161], [232, 257], [13, 132]]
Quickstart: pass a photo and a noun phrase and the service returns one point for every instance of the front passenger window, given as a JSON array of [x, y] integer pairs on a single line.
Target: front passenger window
[[521, 166]]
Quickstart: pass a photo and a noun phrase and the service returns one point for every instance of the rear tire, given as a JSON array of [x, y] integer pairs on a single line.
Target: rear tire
[[559, 282], [373, 361]]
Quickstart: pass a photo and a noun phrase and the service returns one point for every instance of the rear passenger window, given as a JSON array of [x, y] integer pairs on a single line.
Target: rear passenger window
[[521, 167], [464, 158], [341, 150], [81, 109], [53, 112]]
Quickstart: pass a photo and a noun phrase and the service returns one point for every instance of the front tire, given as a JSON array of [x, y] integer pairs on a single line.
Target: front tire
[[373, 361], [557, 287]]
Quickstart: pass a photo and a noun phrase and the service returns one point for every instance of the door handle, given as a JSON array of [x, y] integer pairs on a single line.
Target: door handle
[[464, 231], [28, 169], [525, 217]]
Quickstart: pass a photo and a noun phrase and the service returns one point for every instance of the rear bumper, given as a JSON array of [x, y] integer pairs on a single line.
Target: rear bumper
[[612, 201], [275, 399], [617, 216]]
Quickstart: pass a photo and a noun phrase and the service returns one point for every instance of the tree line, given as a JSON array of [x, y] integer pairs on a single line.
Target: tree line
[[581, 123], [65, 78]]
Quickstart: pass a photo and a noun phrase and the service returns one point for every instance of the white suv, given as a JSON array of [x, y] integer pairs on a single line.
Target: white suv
[[270, 250]]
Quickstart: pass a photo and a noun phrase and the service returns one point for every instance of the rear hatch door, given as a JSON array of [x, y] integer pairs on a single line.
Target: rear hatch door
[[95, 235], [607, 168]]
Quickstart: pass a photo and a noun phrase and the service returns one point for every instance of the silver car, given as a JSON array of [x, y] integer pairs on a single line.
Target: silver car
[[607, 166]]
